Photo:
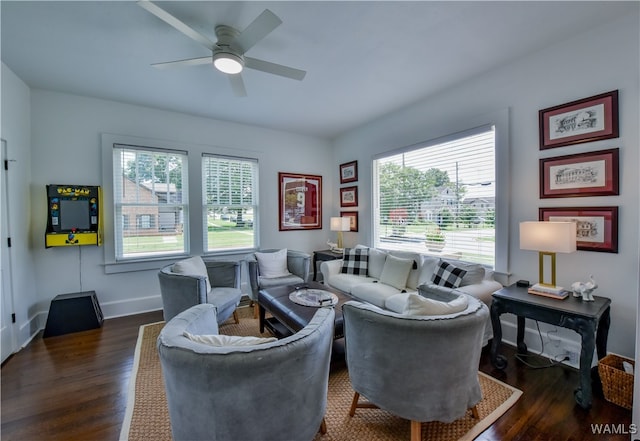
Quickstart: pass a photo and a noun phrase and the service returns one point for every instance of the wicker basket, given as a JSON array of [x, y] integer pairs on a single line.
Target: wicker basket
[[617, 385]]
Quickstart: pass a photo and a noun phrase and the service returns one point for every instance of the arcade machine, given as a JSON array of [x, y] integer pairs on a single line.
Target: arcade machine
[[74, 218]]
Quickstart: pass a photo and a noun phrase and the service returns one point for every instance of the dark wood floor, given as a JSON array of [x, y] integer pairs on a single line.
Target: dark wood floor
[[74, 387]]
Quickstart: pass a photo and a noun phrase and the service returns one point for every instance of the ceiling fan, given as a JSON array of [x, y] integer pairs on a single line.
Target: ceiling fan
[[227, 54]]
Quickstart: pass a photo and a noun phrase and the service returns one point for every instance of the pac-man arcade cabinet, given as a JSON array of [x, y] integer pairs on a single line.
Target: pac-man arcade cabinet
[[74, 215]]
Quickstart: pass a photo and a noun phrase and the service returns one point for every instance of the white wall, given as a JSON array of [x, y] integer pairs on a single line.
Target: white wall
[[66, 149], [600, 60], [16, 130]]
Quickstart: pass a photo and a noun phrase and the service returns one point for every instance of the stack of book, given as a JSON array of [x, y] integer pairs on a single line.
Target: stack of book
[[555, 292]]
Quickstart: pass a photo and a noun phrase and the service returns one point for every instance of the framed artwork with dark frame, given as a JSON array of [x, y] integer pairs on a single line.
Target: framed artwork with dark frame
[[586, 120], [583, 174], [349, 196], [597, 226], [353, 219], [349, 172], [300, 201]]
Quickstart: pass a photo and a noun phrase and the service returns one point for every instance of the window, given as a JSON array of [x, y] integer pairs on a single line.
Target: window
[[439, 197], [150, 187], [229, 202]]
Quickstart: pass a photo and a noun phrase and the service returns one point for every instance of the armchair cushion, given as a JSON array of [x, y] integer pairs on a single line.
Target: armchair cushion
[[193, 266], [418, 305], [272, 265], [228, 340], [448, 275]]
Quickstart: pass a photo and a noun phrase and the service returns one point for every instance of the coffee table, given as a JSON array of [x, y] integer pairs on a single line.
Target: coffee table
[[289, 317]]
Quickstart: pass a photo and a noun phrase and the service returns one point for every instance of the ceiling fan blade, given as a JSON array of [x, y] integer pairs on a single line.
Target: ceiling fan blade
[[273, 68], [237, 85], [183, 63], [257, 30], [177, 24]]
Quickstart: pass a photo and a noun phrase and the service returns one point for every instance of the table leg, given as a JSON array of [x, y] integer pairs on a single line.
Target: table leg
[[261, 316], [497, 360], [602, 334], [522, 346], [586, 329], [315, 266]]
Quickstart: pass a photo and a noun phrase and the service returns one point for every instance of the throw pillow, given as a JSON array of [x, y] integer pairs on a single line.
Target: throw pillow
[[396, 271], [228, 340], [355, 261], [272, 265], [418, 305], [474, 272], [193, 266], [447, 275]]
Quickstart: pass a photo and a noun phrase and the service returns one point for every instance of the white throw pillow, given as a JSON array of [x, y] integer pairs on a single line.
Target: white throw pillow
[[418, 305], [395, 271], [474, 272], [272, 265], [193, 266], [228, 340]]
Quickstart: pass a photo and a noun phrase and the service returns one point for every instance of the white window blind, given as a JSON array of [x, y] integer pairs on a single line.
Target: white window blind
[[230, 204], [439, 198], [150, 202]]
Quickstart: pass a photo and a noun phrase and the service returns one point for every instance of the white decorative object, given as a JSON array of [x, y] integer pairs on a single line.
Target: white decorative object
[[334, 247], [313, 297], [584, 289]]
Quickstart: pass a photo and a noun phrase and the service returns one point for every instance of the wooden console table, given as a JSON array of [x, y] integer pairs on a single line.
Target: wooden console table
[[589, 319]]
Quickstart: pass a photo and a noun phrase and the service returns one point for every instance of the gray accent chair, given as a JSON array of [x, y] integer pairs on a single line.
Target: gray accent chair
[[421, 368], [268, 392], [298, 264], [182, 291]]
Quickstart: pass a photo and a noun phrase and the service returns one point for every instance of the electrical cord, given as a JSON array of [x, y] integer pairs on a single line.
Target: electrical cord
[[552, 362]]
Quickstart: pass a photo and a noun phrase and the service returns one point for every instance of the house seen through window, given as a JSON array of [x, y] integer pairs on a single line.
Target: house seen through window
[[439, 198]]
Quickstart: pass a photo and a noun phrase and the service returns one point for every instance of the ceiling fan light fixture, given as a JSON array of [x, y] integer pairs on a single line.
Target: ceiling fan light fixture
[[228, 63]]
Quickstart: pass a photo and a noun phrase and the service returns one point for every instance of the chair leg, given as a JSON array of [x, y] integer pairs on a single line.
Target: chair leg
[[354, 404], [255, 310], [474, 412], [323, 427], [235, 317], [416, 431]]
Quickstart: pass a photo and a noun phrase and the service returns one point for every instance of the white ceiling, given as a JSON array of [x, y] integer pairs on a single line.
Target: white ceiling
[[363, 59]]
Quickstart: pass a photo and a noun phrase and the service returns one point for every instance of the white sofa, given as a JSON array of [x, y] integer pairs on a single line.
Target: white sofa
[[384, 283]]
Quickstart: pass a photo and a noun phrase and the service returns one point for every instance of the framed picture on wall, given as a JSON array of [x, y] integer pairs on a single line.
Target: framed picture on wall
[[586, 120], [349, 172], [349, 197], [583, 174], [353, 219], [597, 227], [300, 201]]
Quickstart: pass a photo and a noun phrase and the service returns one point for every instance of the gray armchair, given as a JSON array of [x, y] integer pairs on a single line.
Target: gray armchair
[[298, 264], [421, 368], [272, 391], [181, 291]]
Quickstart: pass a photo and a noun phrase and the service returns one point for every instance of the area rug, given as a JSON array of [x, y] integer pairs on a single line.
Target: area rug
[[147, 417]]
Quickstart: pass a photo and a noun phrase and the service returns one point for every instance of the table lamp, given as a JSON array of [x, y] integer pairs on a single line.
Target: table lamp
[[340, 224], [548, 238]]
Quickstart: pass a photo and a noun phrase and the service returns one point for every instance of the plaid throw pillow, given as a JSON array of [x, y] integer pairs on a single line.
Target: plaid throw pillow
[[447, 275], [355, 261]]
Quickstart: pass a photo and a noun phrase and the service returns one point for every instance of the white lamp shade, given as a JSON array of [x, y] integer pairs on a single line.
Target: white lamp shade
[[340, 224], [554, 237]]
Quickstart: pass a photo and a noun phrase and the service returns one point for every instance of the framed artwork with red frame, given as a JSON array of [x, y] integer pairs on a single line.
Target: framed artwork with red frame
[[349, 196], [300, 201], [583, 174], [586, 120], [597, 227], [349, 172]]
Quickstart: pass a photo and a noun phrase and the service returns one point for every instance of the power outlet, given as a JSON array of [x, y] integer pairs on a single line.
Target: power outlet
[[574, 357]]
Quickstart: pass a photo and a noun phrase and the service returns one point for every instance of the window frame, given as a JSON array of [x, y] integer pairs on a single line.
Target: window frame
[[255, 206]]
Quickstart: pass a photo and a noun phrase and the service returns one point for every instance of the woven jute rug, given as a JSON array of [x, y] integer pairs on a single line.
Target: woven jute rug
[[147, 417]]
